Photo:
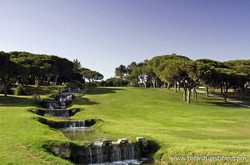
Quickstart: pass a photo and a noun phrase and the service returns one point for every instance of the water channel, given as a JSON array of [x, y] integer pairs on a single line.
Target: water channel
[[98, 148], [90, 135]]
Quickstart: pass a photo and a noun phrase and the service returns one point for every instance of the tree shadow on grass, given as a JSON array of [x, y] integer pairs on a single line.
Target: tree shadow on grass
[[14, 101], [83, 101], [95, 91], [221, 103], [227, 105], [154, 146]]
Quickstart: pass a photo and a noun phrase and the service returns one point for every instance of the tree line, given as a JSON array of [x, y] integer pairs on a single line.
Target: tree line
[[40, 69], [181, 72]]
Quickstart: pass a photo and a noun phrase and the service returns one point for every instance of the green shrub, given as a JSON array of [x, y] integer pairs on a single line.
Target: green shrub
[[2, 89], [53, 95], [36, 100], [20, 90]]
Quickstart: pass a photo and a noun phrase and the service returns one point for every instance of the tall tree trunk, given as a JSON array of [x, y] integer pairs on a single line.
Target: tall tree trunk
[[26, 82], [225, 98], [185, 94], [225, 94], [194, 94], [175, 86], [48, 81], [145, 84], [153, 80], [154, 83], [39, 82], [242, 90], [207, 92], [189, 95], [55, 80], [5, 89], [224, 90]]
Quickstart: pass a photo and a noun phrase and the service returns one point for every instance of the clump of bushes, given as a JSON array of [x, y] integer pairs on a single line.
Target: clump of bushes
[[8, 89], [20, 90], [36, 100]]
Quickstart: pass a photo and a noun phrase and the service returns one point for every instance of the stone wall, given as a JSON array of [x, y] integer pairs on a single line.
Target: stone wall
[[104, 151]]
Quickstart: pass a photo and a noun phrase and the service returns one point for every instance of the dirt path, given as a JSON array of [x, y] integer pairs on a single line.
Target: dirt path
[[230, 100], [233, 101]]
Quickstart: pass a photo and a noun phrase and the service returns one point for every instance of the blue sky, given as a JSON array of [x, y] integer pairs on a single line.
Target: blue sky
[[102, 34]]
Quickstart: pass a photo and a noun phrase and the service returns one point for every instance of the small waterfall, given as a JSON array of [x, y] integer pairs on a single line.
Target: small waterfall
[[57, 112], [127, 151], [99, 154], [81, 123], [50, 106], [131, 152], [106, 152], [90, 155], [117, 153], [76, 124], [72, 125], [64, 113]]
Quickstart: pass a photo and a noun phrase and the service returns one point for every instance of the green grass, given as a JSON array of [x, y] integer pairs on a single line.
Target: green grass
[[22, 137], [204, 127]]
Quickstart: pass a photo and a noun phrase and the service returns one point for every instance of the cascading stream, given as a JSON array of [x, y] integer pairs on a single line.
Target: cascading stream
[[105, 151]]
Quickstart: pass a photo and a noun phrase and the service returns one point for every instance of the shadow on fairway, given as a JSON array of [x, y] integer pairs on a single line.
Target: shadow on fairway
[[226, 105], [14, 101], [154, 146], [216, 102], [95, 91], [83, 101]]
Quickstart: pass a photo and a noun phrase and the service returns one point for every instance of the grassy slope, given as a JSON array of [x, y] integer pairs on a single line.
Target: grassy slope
[[205, 127], [22, 137]]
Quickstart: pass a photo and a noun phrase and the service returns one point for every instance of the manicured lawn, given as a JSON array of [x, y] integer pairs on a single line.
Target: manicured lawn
[[206, 127], [21, 136]]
